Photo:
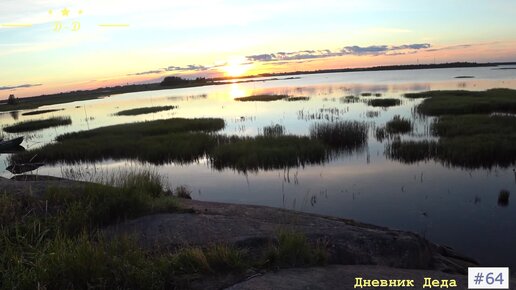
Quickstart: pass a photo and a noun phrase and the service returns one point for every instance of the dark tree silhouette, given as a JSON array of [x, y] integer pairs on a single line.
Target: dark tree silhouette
[[12, 100]]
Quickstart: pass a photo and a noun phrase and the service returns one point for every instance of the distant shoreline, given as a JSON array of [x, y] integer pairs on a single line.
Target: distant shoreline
[[35, 102]]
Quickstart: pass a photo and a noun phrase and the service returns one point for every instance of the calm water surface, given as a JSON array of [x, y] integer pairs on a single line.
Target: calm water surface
[[453, 206]]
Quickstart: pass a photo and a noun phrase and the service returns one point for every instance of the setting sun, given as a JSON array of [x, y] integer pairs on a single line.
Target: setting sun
[[236, 67]]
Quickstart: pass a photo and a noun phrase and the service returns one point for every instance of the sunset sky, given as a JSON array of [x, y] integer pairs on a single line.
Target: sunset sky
[[118, 42]]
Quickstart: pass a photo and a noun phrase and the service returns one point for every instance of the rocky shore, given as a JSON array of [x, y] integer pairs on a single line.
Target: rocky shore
[[355, 249]]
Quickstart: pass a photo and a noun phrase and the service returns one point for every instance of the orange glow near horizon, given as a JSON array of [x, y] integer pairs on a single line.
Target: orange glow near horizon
[[241, 66], [236, 67]]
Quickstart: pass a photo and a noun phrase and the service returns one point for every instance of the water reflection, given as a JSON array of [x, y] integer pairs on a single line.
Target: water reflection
[[15, 115]]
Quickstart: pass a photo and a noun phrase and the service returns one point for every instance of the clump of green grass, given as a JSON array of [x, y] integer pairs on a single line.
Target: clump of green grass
[[151, 128], [268, 152], [191, 261], [274, 130], [503, 198], [35, 125], [145, 110], [411, 151], [129, 196], [349, 99], [384, 102], [345, 135], [381, 134], [161, 141], [466, 102], [398, 125], [469, 141], [483, 150], [40, 112], [479, 151], [262, 98], [372, 114], [293, 249], [296, 99], [476, 140], [183, 191], [53, 241], [218, 258], [223, 258], [470, 125], [80, 262]]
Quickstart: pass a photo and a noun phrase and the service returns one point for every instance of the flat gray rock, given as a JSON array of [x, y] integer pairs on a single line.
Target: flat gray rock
[[349, 242]]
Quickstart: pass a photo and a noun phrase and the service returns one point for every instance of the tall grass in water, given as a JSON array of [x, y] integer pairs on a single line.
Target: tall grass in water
[[476, 140], [262, 98], [384, 102], [267, 152], [470, 125], [179, 140], [468, 141], [296, 99], [480, 151], [274, 130], [411, 151], [398, 125], [503, 198], [466, 102], [35, 125], [40, 112], [144, 110], [343, 135]]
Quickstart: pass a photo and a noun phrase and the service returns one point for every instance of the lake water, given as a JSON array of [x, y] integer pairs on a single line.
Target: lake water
[[452, 206]]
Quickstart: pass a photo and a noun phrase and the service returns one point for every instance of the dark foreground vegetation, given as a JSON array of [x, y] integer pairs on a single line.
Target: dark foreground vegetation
[[35, 125], [57, 241], [476, 129], [189, 140], [144, 110]]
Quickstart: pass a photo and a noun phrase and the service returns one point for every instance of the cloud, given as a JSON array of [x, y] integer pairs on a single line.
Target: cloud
[[412, 46], [367, 50], [19, 87], [280, 58], [451, 47], [347, 50], [190, 67], [146, 73]]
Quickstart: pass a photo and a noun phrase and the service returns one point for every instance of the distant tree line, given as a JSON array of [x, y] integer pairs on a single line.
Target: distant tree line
[[179, 81]]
